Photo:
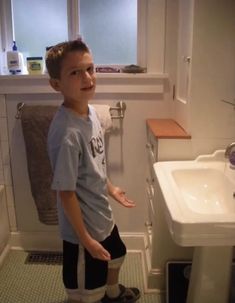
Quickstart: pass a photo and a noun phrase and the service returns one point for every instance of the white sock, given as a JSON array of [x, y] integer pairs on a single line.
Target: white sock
[[113, 291]]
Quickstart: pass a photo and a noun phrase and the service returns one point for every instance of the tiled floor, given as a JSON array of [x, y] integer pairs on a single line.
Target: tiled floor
[[41, 283]]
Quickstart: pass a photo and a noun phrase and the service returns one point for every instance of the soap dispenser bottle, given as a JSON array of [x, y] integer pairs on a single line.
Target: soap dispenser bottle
[[14, 60]]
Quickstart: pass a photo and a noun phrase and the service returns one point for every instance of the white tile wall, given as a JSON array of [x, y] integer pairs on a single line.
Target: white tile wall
[[5, 167], [3, 129], [11, 208], [5, 153], [1, 174], [2, 106]]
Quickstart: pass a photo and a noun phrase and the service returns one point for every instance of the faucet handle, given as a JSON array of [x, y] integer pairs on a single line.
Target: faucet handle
[[232, 158], [230, 154], [229, 149]]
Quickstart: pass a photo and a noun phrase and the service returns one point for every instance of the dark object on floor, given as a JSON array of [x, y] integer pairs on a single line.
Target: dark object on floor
[[177, 281], [48, 258], [178, 274]]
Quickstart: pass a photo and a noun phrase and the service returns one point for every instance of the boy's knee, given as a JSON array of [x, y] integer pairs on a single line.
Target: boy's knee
[[116, 263]]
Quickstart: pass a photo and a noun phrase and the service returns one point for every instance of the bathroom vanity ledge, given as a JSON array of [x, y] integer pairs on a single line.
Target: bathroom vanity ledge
[[167, 129]]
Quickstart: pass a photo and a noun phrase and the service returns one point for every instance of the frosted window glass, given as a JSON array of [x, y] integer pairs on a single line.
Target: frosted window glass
[[38, 24], [110, 29]]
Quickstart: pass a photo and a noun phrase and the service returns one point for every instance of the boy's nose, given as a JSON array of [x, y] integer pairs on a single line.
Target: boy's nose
[[85, 75], [87, 79]]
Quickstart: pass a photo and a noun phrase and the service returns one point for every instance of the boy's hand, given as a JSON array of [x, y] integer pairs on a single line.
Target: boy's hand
[[72, 209], [119, 195], [97, 250]]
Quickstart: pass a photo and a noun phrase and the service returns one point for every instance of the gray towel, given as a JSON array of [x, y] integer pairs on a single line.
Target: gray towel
[[35, 121]]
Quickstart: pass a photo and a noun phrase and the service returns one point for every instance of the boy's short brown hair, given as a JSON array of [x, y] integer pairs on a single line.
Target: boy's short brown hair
[[57, 53]]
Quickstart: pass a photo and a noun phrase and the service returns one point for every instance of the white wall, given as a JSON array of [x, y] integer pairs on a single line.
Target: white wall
[[4, 159], [170, 64], [4, 223], [212, 123]]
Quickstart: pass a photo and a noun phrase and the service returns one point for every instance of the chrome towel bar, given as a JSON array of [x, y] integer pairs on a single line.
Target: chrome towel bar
[[120, 109]]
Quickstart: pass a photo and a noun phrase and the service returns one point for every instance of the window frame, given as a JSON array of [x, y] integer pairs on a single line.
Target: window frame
[[151, 23], [73, 27], [6, 25]]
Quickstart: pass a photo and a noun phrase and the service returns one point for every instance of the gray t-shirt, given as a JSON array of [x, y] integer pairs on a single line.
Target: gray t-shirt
[[77, 155]]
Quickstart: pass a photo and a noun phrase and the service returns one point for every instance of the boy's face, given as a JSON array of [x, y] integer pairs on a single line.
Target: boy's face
[[77, 78]]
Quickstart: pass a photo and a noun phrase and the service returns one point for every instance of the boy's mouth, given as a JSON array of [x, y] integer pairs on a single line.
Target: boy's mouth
[[87, 88]]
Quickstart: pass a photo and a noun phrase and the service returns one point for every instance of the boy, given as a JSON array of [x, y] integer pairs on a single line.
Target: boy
[[92, 249]]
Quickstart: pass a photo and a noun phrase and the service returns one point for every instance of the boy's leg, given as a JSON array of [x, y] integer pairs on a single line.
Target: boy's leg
[[116, 292], [84, 277], [113, 289]]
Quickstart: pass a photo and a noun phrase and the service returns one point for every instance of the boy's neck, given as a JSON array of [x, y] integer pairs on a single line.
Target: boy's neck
[[80, 108]]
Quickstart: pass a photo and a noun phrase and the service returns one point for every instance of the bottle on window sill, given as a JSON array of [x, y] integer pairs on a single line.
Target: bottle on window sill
[[14, 60]]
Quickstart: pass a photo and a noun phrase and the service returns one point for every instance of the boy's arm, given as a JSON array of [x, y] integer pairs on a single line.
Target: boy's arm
[[72, 210], [119, 195]]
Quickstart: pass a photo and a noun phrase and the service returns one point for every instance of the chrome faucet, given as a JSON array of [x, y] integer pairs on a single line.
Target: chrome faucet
[[229, 149]]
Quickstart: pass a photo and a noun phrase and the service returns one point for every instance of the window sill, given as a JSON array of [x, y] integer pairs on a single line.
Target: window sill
[[147, 83]]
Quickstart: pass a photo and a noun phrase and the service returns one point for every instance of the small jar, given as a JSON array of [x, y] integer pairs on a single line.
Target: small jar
[[35, 65]]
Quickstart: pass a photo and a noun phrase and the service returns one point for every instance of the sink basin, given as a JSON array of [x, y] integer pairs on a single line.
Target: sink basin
[[205, 190], [199, 200]]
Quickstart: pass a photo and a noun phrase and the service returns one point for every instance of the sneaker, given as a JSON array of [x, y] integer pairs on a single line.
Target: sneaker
[[127, 295]]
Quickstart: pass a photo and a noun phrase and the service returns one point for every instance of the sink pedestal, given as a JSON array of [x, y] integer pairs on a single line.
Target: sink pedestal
[[211, 275]]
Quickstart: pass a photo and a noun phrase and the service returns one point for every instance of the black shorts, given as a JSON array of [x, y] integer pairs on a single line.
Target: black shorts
[[95, 270]]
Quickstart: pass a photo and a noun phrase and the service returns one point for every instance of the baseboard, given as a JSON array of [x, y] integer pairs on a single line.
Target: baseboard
[[155, 277], [133, 241], [46, 241]]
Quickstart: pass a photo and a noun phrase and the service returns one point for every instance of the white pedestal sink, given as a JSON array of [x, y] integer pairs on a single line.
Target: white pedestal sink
[[199, 204], [210, 275]]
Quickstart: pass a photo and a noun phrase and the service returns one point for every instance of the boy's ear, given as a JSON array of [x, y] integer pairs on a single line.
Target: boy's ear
[[55, 84]]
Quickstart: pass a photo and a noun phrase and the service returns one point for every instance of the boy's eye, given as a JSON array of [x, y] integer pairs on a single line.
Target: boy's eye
[[90, 69], [76, 72]]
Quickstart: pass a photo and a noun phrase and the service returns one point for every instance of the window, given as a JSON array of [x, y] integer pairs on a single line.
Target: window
[[110, 29], [118, 32], [38, 24], [108, 26]]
